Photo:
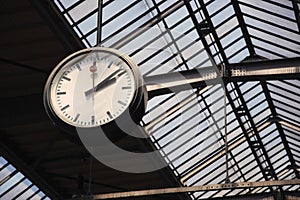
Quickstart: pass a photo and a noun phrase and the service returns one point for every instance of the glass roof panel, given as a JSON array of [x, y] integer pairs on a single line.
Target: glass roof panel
[[286, 99], [68, 3], [14, 185], [271, 26], [270, 12], [81, 10], [161, 36]]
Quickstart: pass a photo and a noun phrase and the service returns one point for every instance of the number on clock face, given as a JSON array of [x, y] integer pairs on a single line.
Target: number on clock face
[[92, 90]]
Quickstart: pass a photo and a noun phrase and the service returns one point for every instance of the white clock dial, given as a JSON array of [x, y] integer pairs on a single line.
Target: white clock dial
[[92, 89]]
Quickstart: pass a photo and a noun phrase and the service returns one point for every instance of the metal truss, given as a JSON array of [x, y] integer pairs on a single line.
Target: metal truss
[[197, 188]]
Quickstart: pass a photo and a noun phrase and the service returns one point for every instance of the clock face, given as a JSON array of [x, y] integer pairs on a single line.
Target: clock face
[[92, 88]]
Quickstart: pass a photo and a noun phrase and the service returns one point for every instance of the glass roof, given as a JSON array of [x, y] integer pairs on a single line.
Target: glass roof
[[14, 185], [188, 127]]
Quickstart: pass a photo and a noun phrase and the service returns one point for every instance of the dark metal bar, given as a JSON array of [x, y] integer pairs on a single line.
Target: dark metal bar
[[75, 24], [177, 137], [256, 135], [160, 103], [296, 150], [198, 28], [279, 122], [99, 22], [248, 135], [188, 119], [286, 117], [186, 131], [159, 50], [268, 64], [192, 170], [213, 31], [243, 27]]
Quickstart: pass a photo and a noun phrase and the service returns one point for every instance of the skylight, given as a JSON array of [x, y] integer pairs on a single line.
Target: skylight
[[14, 185], [167, 36]]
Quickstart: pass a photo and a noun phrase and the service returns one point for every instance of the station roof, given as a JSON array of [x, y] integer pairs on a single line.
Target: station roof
[[261, 141]]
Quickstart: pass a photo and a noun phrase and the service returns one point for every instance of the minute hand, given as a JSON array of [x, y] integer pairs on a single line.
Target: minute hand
[[105, 82]]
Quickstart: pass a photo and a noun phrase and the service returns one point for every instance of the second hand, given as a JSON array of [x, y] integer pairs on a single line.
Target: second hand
[[93, 69]]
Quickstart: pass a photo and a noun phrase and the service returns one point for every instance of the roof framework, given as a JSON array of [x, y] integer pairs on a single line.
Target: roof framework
[[261, 113], [229, 32]]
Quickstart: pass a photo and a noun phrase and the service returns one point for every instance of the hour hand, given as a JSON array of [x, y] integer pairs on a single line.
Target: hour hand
[[100, 86], [104, 83]]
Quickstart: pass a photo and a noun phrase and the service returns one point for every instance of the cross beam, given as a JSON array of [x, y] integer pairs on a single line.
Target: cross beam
[[211, 187], [197, 78]]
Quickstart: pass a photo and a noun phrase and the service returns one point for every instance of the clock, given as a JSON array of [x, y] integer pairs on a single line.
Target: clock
[[95, 87]]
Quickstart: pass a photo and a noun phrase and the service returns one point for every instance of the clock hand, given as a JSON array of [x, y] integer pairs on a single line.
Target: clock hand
[[93, 69], [104, 83]]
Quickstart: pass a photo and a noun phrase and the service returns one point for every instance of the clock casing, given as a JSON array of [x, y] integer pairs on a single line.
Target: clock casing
[[95, 87]]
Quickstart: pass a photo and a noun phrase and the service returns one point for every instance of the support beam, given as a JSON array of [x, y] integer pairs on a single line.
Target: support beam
[[268, 64], [179, 81], [243, 27], [279, 123], [297, 12], [199, 78], [255, 142], [265, 68], [241, 185], [99, 22], [214, 33]]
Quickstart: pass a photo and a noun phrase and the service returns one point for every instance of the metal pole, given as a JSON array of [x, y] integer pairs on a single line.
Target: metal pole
[[99, 26], [226, 137]]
